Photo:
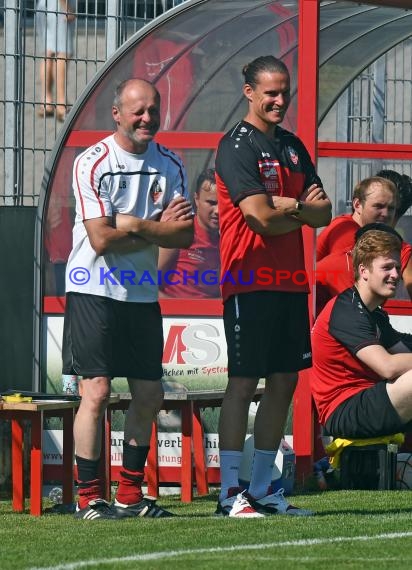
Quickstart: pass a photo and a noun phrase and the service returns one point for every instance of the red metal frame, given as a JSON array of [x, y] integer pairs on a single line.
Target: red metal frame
[[172, 139], [170, 307], [365, 150], [307, 127]]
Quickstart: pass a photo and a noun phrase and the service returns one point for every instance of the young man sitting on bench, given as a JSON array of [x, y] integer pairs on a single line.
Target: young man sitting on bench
[[362, 369]]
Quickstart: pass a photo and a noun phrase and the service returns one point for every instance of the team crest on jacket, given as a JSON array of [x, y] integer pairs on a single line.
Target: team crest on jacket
[[293, 155], [269, 175], [155, 191]]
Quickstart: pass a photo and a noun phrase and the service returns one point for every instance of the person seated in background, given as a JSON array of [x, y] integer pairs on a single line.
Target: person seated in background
[[362, 371], [403, 183], [375, 199], [194, 272]]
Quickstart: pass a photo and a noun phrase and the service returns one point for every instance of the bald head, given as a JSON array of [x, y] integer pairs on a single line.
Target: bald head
[[130, 85], [136, 112], [374, 200]]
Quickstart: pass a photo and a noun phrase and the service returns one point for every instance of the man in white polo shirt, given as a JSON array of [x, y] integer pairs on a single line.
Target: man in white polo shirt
[[131, 197]]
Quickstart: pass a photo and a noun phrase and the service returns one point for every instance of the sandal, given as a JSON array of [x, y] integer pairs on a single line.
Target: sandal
[[61, 113], [46, 111]]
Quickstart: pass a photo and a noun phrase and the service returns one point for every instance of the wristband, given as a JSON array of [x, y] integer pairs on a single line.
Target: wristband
[[298, 208]]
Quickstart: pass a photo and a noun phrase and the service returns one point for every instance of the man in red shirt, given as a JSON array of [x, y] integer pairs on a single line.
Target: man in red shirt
[[267, 190], [374, 199], [362, 370], [194, 272]]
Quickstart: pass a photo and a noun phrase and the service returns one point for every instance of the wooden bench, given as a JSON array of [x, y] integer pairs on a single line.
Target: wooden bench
[[189, 404], [35, 412], [193, 464]]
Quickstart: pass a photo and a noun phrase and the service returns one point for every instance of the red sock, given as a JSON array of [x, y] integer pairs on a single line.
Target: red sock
[[89, 490], [129, 491]]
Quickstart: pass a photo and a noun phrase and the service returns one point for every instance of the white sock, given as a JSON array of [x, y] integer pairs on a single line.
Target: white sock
[[262, 468], [229, 471]]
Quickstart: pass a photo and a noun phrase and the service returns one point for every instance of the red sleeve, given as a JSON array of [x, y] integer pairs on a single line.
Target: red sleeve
[[338, 237], [406, 253], [334, 273]]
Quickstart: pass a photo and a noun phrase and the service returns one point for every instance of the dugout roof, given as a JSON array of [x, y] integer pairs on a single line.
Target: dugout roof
[[194, 54]]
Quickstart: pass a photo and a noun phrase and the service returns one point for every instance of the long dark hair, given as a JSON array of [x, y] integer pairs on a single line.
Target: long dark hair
[[263, 63]]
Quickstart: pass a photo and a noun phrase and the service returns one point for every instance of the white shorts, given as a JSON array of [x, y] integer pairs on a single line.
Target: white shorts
[[55, 33]]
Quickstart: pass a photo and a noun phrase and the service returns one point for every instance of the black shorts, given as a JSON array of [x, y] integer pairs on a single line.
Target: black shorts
[[369, 413], [267, 332], [105, 337]]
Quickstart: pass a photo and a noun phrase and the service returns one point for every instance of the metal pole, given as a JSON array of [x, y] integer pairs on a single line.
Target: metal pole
[[343, 181], [11, 62], [113, 16], [378, 107]]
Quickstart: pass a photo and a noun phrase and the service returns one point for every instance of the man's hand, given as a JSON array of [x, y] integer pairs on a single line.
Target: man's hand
[[284, 204], [177, 232], [288, 205], [179, 209], [315, 210], [313, 193]]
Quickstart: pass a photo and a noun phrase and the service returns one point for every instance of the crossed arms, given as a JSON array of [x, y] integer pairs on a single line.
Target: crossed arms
[[279, 216], [125, 233]]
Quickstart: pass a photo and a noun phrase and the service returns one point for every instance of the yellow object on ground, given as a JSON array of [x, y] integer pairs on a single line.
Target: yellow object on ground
[[335, 448]]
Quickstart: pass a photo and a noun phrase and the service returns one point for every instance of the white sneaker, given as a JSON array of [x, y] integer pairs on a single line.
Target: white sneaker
[[276, 504], [237, 505]]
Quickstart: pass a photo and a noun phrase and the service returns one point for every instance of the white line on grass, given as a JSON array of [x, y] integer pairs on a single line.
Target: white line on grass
[[174, 553]]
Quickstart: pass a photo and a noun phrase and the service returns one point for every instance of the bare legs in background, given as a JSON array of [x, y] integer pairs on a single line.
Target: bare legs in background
[[53, 70]]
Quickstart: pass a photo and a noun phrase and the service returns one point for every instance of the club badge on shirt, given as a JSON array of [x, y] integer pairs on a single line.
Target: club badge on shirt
[[293, 155], [197, 254], [155, 191], [269, 175]]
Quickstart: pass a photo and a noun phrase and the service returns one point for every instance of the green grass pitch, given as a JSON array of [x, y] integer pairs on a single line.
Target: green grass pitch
[[352, 529]]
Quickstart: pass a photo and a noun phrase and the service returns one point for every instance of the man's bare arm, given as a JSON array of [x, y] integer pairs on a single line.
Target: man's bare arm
[[174, 229], [388, 365], [315, 209], [105, 238], [264, 218]]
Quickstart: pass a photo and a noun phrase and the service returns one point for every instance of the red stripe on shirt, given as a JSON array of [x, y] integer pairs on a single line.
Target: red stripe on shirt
[[95, 190]]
